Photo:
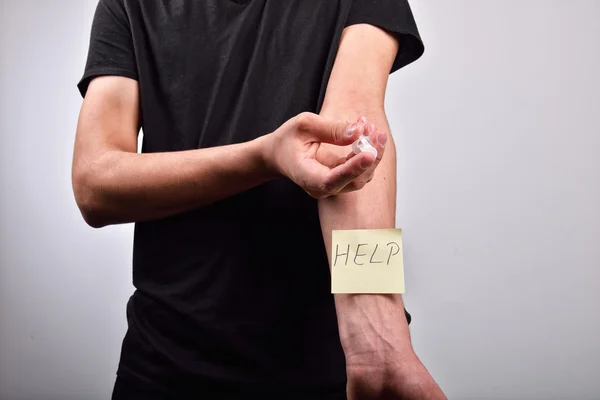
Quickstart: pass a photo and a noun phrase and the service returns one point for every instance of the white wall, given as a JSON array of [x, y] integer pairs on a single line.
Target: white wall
[[63, 286], [498, 131], [498, 128]]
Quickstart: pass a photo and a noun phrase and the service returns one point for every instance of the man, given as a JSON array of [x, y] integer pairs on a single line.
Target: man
[[247, 108]]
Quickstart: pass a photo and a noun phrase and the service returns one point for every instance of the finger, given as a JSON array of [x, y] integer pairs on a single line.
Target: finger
[[379, 140], [340, 176], [327, 131], [341, 161], [376, 138], [359, 182], [331, 160], [312, 150], [370, 129]]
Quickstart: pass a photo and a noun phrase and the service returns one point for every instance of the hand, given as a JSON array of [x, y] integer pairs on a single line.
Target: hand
[[332, 156], [409, 382], [292, 152], [406, 379], [380, 360]]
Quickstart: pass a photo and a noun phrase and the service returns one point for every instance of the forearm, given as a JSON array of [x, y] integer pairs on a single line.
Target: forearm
[[372, 207], [114, 184], [381, 362], [120, 186]]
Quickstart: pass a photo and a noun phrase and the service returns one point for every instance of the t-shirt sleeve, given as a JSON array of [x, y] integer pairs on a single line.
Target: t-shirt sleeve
[[111, 49], [396, 17]]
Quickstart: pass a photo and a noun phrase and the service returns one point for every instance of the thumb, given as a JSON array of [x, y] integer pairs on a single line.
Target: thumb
[[338, 133]]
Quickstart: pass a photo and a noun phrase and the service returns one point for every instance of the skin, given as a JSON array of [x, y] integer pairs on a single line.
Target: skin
[[381, 362], [114, 184]]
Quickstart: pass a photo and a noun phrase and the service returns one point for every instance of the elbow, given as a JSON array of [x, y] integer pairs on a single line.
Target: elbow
[[90, 198], [93, 218]]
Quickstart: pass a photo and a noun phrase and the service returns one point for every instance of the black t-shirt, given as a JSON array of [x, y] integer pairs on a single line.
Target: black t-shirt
[[236, 293]]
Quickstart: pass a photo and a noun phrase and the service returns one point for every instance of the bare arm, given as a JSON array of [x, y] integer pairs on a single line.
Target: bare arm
[[380, 359], [114, 184]]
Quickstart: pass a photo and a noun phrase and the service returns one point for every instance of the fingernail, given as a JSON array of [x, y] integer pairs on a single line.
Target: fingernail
[[372, 129], [351, 130], [382, 139], [360, 128], [363, 120], [365, 164]]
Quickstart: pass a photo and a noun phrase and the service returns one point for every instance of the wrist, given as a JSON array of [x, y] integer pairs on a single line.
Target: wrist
[[406, 380], [412, 381], [264, 155], [369, 321]]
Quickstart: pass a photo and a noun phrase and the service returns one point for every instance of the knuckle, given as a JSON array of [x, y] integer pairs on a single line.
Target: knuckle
[[354, 175], [328, 187], [304, 121], [334, 133], [317, 194], [339, 132], [348, 176], [359, 184], [362, 173], [352, 186]]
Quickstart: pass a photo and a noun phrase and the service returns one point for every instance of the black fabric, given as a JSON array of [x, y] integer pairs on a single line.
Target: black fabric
[[128, 390], [394, 16], [237, 293], [125, 390]]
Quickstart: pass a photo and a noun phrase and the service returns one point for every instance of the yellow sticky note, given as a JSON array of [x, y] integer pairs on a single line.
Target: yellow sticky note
[[367, 261]]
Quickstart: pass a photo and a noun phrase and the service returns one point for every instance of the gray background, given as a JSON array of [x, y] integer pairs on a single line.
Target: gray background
[[498, 133]]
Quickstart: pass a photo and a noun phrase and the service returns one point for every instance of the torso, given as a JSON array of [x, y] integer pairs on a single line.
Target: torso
[[238, 292]]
